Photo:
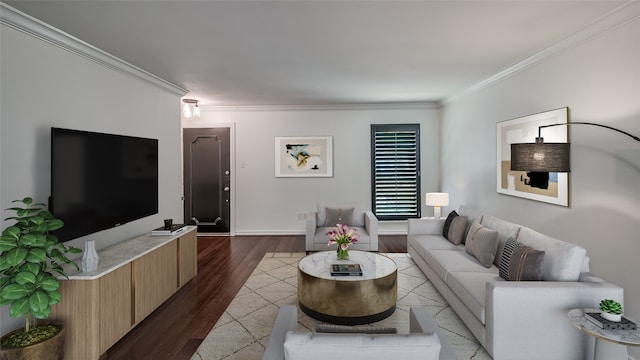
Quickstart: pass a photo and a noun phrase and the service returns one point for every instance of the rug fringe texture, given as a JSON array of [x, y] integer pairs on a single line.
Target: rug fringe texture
[[243, 330]]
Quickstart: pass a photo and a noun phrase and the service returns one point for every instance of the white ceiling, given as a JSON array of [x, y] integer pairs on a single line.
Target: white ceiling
[[236, 53]]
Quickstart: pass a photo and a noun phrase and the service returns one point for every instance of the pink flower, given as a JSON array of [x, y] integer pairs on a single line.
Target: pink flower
[[342, 235]]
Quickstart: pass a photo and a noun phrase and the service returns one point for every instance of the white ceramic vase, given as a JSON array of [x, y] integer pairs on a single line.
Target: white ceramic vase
[[90, 257], [611, 317]]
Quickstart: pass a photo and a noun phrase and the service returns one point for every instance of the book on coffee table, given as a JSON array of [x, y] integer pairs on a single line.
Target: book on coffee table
[[346, 270]]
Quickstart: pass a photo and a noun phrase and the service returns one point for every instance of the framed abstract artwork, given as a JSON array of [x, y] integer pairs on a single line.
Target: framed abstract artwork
[[546, 187], [304, 156]]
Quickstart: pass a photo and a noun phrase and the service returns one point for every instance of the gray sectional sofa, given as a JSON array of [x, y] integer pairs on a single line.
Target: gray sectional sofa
[[511, 319]]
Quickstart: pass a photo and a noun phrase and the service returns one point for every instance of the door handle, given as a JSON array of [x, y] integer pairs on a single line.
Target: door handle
[[226, 188]]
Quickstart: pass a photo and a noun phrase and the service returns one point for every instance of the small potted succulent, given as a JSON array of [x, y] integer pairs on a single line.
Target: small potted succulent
[[29, 257], [611, 310]]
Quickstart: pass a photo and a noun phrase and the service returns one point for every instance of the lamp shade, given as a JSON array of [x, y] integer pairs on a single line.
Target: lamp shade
[[437, 199], [540, 157]]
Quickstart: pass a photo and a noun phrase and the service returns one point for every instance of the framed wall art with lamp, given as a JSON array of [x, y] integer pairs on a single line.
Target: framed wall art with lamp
[[545, 186], [540, 162]]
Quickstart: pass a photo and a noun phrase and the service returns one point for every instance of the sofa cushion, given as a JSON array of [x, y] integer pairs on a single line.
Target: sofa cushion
[[505, 231], [520, 262], [470, 287], [338, 216], [445, 261], [322, 346], [482, 243], [432, 242], [562, 260]]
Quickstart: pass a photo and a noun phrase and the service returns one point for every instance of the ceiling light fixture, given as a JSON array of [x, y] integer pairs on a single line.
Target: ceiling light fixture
[[186, 109], [548, 157]]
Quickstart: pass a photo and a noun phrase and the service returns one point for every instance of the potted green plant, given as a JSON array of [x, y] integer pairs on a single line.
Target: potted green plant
[[611, 310], [29, 257]]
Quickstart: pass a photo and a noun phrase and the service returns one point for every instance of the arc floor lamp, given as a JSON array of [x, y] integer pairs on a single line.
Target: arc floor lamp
[[548, 157]]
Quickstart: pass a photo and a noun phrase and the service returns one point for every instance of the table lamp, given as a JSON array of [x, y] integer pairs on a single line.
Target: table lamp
[[437, 200]]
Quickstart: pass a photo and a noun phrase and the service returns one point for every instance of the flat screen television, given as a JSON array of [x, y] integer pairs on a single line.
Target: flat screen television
[[99, 181]]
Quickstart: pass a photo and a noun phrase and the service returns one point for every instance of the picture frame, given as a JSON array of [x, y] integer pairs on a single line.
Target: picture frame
[[303, 156], [546, 187]]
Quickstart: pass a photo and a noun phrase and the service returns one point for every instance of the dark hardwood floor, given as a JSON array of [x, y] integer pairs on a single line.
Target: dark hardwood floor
[[176, 329]]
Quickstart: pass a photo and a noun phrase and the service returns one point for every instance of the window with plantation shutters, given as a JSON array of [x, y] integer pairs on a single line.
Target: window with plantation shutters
[[395, 171]]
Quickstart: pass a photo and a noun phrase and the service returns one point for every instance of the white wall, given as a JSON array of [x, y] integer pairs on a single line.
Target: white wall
[[600, 82], [265, 204], [43, 86]]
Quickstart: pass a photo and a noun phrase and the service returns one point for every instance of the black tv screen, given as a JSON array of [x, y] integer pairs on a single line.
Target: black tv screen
[[99, 181]]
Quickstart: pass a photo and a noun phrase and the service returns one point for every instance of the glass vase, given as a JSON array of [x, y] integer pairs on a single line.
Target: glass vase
[[343, 254]]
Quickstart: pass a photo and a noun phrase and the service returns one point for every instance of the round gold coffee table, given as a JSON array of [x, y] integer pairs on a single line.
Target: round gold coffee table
[[348, 300]]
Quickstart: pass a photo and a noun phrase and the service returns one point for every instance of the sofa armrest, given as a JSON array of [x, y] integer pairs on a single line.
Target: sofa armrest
[[311, 223], [420, 321], [287, 320], [371, 224], [522, 315], [426, 226]]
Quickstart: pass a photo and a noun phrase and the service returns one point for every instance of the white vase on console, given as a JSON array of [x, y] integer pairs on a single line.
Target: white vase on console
[[90, 256]]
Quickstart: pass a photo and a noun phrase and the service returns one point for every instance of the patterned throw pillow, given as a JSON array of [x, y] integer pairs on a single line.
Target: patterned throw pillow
[[482, 243], [520, 262]]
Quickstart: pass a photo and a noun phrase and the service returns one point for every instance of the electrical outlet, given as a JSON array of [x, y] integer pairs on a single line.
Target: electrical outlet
[[300, 216]]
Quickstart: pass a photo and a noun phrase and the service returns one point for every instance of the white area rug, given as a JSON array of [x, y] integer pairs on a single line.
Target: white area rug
[[243, 330]]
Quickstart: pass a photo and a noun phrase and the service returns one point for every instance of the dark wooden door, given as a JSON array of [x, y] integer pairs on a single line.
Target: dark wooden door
[[207, 176]]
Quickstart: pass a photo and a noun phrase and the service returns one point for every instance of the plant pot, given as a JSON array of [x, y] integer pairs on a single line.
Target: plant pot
[[50, 349], [611, 317]]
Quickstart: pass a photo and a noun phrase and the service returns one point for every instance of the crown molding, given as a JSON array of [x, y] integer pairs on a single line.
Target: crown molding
[[29, 25], [328, 107], [620, 16]]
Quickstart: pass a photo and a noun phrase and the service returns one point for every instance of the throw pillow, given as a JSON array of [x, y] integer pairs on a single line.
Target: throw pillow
[[338, 216], [331, 328], [457, 230], [520, 262], [482, 243], [447, 223], [563, 261], [358, 218]]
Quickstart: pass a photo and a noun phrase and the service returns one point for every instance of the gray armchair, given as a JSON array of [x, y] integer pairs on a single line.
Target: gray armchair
[[327, 216]]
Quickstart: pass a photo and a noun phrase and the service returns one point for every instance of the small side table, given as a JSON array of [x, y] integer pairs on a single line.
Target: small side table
[[610, 344]]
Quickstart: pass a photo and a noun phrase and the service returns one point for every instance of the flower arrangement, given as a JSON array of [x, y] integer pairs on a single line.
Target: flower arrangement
[[344, 236]]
